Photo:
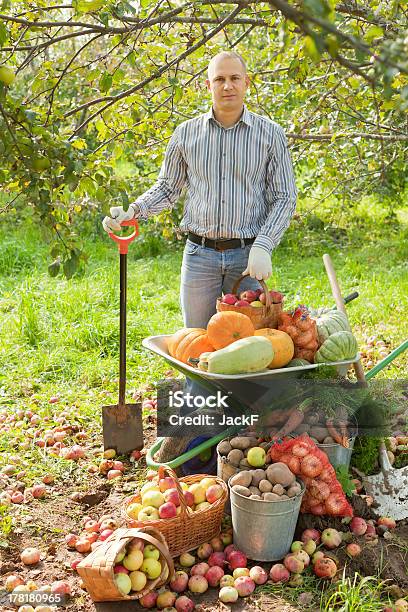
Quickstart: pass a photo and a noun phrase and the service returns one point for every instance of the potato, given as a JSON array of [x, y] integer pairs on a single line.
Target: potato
[[242, 478], [254, 490], [241, 490], [244, 465], [253, 442], [293, 490], [279, 473], [278, 489], [265, 486], [224, 447], [271, 497], [240, 442], [284, 497], [320, 433], [255, 497], [257, 476], [235, 456], [328, 440]]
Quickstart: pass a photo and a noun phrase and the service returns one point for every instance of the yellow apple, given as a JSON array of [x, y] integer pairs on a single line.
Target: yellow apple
[[7, 75], [149, 513], [149, 486], [207, 482], [133, 510], [203, 506], [199, 493], [153, 498], [152, 568], [138, 580], [256, 456], [133, 560], [151, 552], [184, 486]]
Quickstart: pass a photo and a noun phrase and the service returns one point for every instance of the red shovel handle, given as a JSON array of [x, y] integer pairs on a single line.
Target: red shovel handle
[[124, 241]]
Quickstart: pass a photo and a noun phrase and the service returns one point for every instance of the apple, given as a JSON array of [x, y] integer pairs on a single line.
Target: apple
[[167, 510], [133, 510], [202, 506], [358, 526], [151, 552], [207, 482], [153, 498], [309, 547], [189, 498], [12, 582], [217, 558], [214, 492], [149, 600], [226, 538], [165, 599], [319, 554], [258, 574], [331, 538], [311, 534], [303, 556], [325, 568], [200, 569], [199, 493], [105, 534], [71, 539], [296, 545], [229, 298], [91, 526], [123, 583], [370, 533], [227, 580], [216, 544], [244, 585], [133, 560], [228, 550], [7, 75], [242, 303], [179, 582], [353, 549], [148, 513], [187, 560], [256, 456], [30, 556], [228, 594], [198, 584], [59, 586], [39, 491], [237, 559], [166, 483], [149, 486], [214, 575], [152, 568], [120, 569], [204, 551], [171, 495], [293, 564], [388, 522], [256, 304], [240, 571], [295, 581], [184, 604], [249, 295], [276, 297]]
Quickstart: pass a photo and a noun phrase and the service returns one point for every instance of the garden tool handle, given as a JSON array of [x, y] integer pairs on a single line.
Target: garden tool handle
[[124, 241], [358, 368]]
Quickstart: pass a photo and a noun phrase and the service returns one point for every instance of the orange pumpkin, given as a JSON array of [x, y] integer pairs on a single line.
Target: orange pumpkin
[[282, 344], [226, 327], [188, 342]]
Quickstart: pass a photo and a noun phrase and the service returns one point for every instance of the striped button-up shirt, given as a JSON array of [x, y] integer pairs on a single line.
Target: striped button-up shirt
[[239, 180]]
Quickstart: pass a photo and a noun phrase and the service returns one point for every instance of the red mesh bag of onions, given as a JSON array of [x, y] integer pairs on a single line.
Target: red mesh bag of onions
[[323, 494]]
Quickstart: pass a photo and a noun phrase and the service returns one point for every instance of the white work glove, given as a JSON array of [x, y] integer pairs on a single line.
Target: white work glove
[[118, 215], [259, 264]]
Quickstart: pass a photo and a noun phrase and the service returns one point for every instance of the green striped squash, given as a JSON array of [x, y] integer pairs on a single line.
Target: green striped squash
[[339, 346]]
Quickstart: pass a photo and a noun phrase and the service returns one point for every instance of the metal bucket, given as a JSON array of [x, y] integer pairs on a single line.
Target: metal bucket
[[338, 454], [264, 530]]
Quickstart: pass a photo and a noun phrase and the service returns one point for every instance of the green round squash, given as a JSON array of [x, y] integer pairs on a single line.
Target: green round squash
[[339, 346], [297, 362], [330, 323]]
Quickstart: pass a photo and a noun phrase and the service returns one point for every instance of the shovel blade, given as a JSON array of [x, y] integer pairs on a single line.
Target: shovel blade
[[390, 492], [122, 427]]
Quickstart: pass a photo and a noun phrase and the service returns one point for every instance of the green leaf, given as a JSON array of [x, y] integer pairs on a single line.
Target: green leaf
[[4, 34], [54, 267], [105, 82], [310, 49], [88, 6], [71, 265], [373, 32]]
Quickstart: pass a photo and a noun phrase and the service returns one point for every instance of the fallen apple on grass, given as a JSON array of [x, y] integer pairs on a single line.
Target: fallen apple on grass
[[30, 556], [353, 549], [228, 594], [331, 538], [214, 575], [179, 582], [198, 584], [258, 574], [325, 568]]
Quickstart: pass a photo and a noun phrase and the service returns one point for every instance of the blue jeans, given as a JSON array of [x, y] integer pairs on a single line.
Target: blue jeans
[[205, 275]]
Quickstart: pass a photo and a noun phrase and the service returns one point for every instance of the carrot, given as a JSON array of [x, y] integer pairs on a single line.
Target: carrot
[[295, 419], [339, 438]]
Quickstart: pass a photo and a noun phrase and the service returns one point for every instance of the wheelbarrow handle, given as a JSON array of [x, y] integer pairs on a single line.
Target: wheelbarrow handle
[[124, 241]]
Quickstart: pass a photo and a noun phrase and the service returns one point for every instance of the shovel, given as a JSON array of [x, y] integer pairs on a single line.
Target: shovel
[[389, 488], [122, 423]]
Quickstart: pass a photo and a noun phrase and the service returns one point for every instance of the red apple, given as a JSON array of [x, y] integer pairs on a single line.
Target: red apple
[[248, 296], [167, 510], [242, 303], [279, 573], [149, 600], [214, 575], [180, 581], [311, 534], [166, 483], [213, 493], [258, 574], [244, 585], [91, 526], [184, 604], [189, 498], [171, 495], [325, 568], [293, 564], [204, 551], [61, 586], [358, 526], [217, 544], [388, 522], [370, 533], [200, 569], [229, 298], [237, 559], [217, 558], [276, 297], [228, 550], [331, 538], [353, 549]]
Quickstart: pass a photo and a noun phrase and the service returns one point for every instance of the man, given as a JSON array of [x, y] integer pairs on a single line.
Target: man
[[241, 192]]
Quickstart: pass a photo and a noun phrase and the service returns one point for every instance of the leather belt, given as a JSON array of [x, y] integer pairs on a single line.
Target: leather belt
[[221, 244]]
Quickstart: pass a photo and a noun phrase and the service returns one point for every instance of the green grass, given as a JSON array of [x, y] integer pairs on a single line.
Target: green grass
[[57, 332]]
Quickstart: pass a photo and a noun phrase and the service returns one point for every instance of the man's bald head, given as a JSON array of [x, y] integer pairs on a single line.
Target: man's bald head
[[225, 55]]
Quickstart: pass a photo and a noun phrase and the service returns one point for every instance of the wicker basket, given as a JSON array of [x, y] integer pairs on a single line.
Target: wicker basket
[[189, 529], [96, 570], [267, 316]]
